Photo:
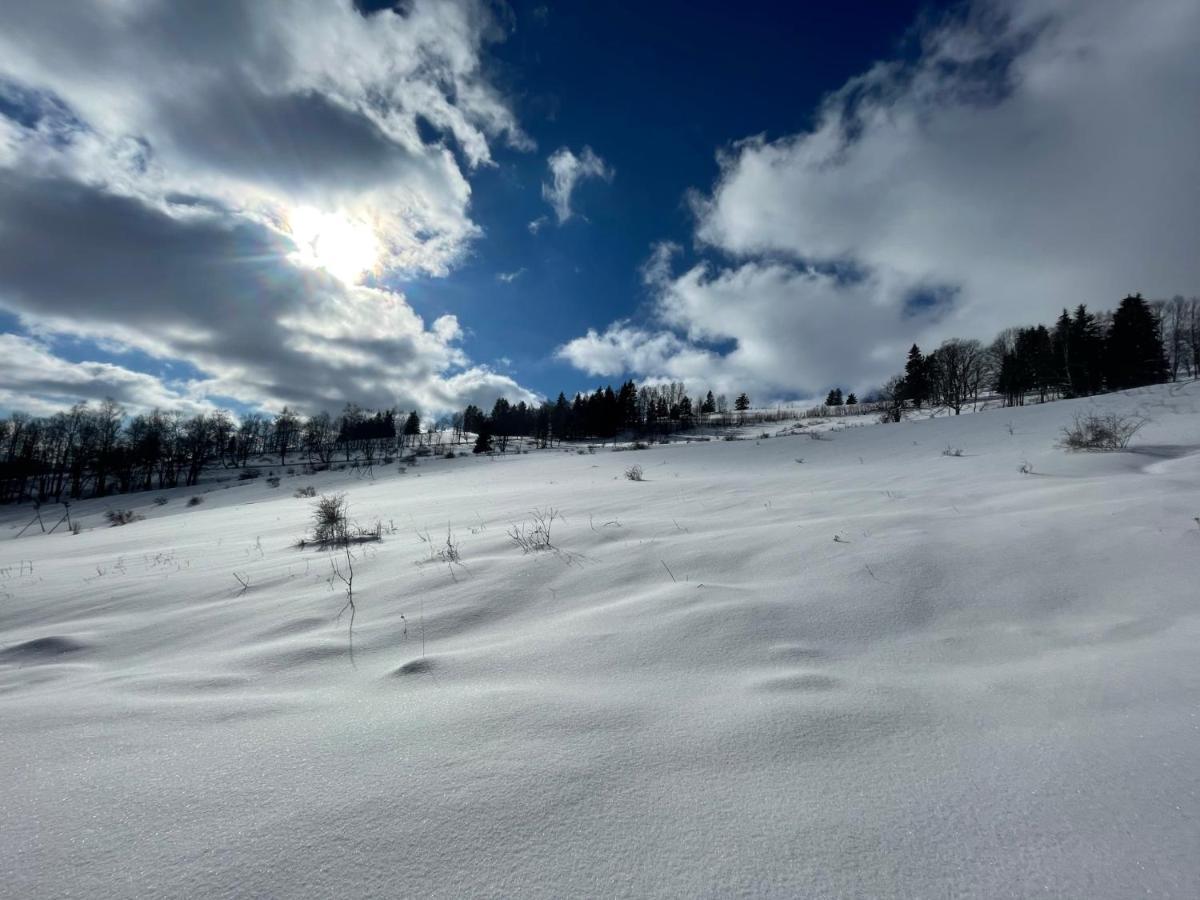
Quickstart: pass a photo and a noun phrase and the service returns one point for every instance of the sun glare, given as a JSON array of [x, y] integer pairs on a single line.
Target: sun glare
[[343, 247]]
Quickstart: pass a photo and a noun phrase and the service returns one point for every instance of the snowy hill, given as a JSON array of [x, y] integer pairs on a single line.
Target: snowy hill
[[882, 671]]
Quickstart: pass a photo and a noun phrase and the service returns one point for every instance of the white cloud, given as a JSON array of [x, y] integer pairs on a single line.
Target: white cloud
[[566, 172], [1033, 157], [510, 277], [39, 382], [146, 191]]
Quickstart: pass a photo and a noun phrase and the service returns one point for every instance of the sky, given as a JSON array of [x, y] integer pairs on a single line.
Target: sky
[[250, 204]]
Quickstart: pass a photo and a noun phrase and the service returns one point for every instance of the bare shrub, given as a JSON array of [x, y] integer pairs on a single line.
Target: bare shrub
[[195, 501], [161, 501], [1101, 432], [76, 528], [331, 522], [332, 526], [116, 517], [634, 473], [446, 552], [1026, 468], [273, 481], [248, 474], [534, 535], [952, 451], [306, 491]]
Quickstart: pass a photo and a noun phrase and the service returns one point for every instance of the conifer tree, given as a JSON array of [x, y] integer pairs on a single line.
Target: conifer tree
[[916, 377], [1135, 350]]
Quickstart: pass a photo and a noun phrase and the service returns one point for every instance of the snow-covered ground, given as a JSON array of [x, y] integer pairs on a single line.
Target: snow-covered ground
[[882, 671]]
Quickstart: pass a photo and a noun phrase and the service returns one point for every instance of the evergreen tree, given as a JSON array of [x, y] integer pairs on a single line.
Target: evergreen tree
[[742, 403], [1085, 357], [1062, 349], [851, 400], [916, 377], [412, 425], [483, 438], [1135, 349], [709, 405]]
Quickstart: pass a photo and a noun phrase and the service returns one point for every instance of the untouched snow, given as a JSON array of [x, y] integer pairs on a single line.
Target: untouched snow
[[988, 685]]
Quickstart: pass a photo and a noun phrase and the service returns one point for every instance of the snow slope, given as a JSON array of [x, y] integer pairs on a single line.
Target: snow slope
[[987, 685]]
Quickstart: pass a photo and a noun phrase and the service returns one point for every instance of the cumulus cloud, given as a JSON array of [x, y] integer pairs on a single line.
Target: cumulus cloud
[[1030, 157], [510, 277], [155, 158], [221, 292], [566, 172], [39, 382]]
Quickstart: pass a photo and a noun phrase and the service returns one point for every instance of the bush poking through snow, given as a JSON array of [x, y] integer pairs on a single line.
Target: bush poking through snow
[[634, 473], [952, 451], [534, 535], [116, 517], [161, 501], [273, 481], [306, 491], [332, 528], [1026, 468], [195, 501], [1096, 432]]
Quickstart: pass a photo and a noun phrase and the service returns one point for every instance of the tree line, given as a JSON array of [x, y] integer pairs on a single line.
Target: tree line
[[100, 450], [645, 411], [1083, 353]]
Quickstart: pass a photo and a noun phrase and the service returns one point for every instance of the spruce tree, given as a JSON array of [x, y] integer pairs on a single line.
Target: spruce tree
[[1086, 353], [742, 403], [851, 400], [916, 377], [1135, 350], [483, 439]]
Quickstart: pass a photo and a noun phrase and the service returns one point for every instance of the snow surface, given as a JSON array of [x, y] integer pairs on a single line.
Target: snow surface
[[987, 685]]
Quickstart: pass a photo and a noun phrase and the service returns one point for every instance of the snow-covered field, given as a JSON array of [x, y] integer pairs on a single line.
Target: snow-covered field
[[883, 671]]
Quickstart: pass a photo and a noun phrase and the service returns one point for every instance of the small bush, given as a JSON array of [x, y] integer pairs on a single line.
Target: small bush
[[634, 473], [1096, 432], [534, 535], [76, 528], [195, 501], [332, 528], [273, 481], [1026, 468], [306, 491], [449, 454], [248, 474], [116, 517], [952, 451], [331, 523], [160, 501]]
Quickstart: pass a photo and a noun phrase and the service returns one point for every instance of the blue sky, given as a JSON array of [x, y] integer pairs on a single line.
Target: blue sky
[[251, 204], [656, 89]]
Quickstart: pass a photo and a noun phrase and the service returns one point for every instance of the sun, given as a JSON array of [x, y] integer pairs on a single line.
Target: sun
[[342, 246]]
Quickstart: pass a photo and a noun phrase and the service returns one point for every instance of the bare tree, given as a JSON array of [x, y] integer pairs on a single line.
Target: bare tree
[[959, 371]]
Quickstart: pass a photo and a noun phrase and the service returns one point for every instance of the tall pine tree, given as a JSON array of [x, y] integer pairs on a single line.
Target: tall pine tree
[[1135, 350]]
